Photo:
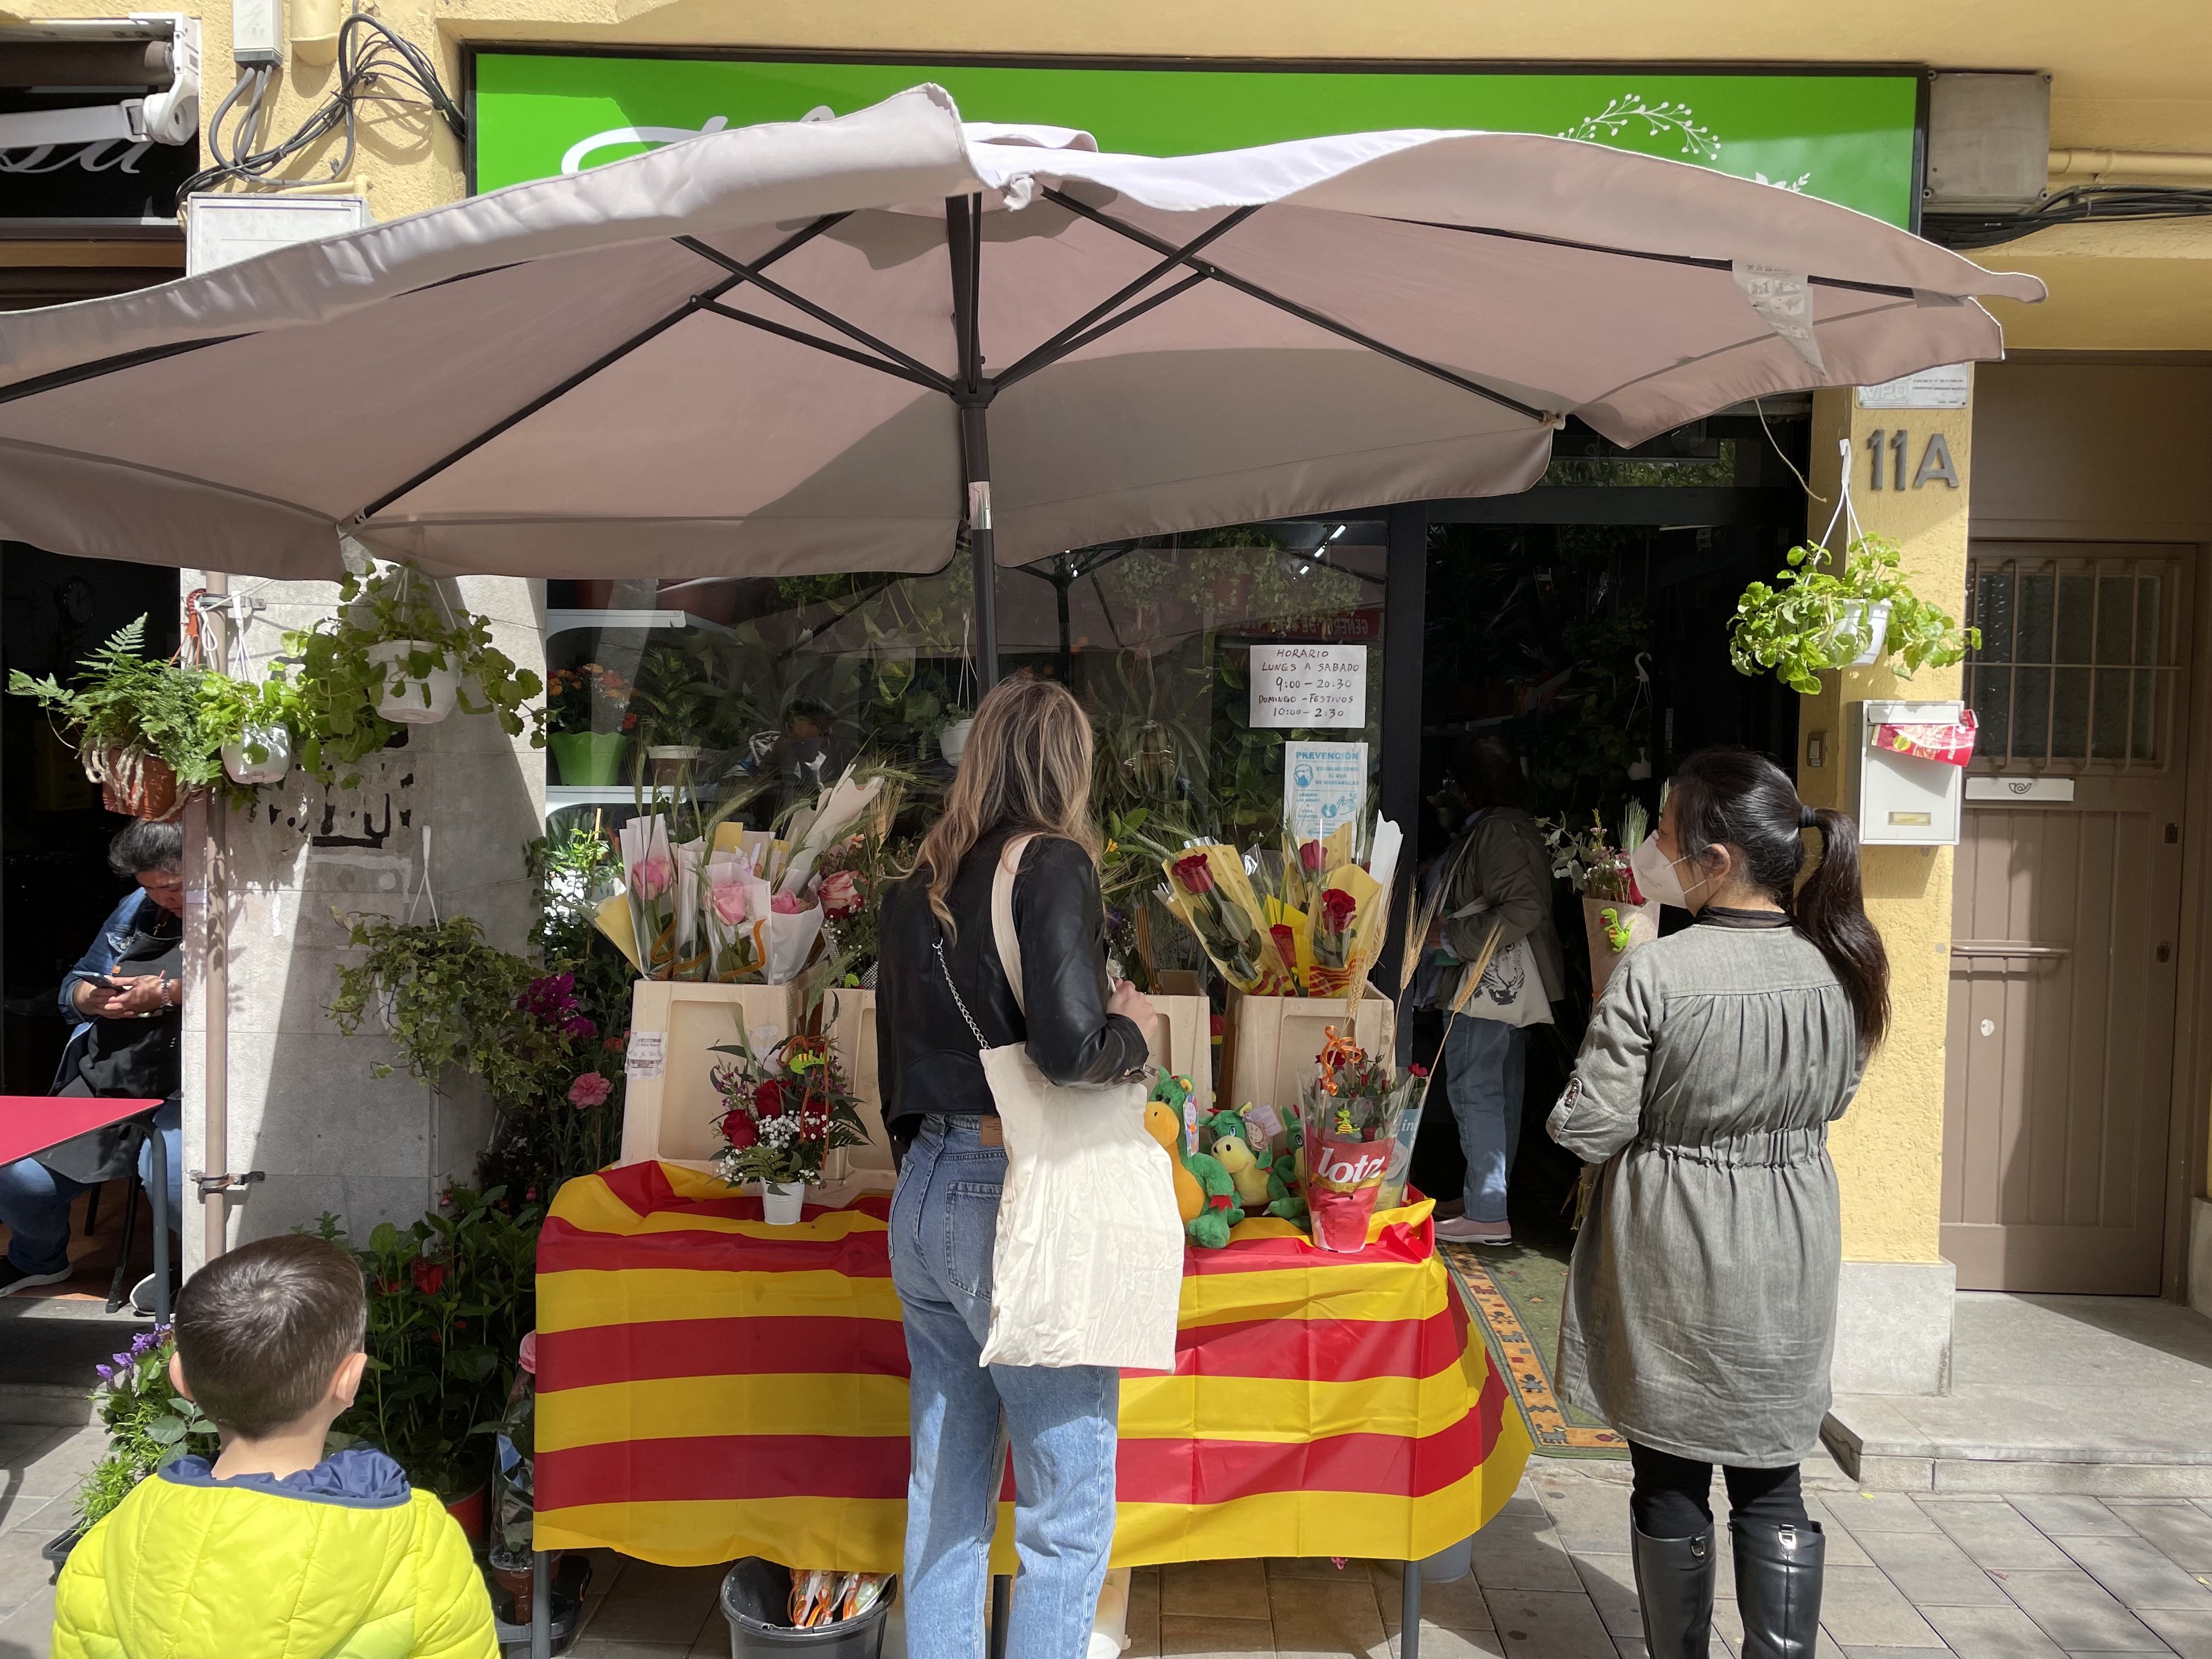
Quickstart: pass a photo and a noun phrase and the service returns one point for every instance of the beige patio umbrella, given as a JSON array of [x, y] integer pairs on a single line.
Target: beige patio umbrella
[[823, 346]]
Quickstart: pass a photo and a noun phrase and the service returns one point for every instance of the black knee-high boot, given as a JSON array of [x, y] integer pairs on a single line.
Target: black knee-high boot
[[1674, 1587], [1778, 1587]]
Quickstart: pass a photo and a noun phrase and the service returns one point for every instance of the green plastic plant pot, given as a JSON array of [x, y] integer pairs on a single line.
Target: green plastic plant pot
[[592, 757]]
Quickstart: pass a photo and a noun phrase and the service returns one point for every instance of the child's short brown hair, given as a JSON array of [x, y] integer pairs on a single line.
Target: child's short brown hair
[[260, 1330]]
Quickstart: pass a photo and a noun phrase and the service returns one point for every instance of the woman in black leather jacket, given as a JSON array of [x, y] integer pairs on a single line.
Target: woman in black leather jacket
[[1026, 771]]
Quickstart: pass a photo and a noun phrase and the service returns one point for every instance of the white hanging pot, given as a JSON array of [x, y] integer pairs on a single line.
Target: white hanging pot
[[406, 699], [954, 738], [780, 1202], [275, 739], [1875, 639]]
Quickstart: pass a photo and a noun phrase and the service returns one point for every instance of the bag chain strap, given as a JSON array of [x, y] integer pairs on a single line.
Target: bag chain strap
[[959, 1002]]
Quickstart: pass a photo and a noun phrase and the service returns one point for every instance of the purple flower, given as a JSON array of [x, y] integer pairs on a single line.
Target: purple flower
[[577, 1026], [106, 1372]]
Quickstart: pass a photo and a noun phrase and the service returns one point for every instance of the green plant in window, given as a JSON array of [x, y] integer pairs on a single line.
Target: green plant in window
[[1815, 617]]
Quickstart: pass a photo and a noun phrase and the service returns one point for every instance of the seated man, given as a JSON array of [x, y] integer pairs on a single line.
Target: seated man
[[124, 995]]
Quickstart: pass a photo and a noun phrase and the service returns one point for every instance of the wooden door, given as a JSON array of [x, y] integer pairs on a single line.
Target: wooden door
[[2064, 918]]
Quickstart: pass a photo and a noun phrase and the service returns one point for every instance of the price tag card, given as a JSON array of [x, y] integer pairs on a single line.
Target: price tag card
[[647, 1053]]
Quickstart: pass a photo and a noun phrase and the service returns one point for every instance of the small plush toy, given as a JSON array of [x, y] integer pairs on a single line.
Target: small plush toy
[[1164, 1125], [1211, 1229], [1616, 935], [1234, 1153], [1284, 1200]]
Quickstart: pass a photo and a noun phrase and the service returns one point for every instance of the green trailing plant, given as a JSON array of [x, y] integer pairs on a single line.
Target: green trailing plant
[[447, 999], [122, 707], [335, 681], [450, 1299], [1815, 617], [149, 1424]]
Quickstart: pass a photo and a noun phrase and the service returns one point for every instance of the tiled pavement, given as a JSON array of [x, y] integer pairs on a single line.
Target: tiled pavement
[[1908, 1577]]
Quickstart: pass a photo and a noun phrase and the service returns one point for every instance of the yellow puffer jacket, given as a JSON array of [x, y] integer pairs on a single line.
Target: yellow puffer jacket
[[341, 1561]]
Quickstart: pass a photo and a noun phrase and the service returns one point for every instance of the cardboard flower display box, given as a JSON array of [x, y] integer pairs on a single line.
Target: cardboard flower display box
[[851, 1023], [1185, 1042], [1269, 1043], [671, 1107]]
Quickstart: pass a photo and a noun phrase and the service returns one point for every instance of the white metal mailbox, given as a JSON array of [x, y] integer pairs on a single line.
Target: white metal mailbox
[[1904, 801]]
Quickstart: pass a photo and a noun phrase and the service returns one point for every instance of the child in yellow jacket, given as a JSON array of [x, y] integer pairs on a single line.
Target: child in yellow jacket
[[273, 1551]]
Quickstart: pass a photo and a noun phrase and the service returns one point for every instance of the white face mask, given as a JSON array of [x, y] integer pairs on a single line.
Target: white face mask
[[1655, 874]]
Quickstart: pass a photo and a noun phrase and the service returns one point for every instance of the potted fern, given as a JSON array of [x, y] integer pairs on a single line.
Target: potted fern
[[1816, 617], [136, 723]]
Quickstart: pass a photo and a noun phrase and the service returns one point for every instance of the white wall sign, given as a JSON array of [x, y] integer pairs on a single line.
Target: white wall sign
[[1323, 685], [1324, 785], [1931, 388]]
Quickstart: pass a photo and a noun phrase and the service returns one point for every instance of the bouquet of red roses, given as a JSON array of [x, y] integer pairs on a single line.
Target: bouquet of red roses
[[1210, 892], [782, 1113]]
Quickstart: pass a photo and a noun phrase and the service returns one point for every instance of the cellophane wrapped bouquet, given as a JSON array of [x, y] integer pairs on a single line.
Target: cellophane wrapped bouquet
[[782, 1113], [1349, 1111], [1305, 918]]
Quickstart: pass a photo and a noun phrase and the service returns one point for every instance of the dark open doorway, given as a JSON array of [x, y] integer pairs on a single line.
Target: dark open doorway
[[1586, 623]]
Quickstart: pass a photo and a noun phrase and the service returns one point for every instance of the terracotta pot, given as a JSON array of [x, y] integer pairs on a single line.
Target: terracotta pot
[[469, 1510], [137, 786]]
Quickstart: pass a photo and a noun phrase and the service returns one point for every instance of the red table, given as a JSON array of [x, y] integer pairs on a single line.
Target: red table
[[29, 1124]]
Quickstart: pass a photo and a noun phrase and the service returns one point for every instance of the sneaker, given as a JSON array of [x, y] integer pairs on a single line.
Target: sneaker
[[14, 1279], [142, 1296], [1461, 1231]]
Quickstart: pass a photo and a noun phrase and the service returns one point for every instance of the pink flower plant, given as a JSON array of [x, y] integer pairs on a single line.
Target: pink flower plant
[[589, 1088]]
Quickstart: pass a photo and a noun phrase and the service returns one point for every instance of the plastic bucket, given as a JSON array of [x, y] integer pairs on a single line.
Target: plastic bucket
[[756, 1597]]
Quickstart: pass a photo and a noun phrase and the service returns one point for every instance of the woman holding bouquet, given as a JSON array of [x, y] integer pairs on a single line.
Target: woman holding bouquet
[[1701, 1302], [1026, 772]]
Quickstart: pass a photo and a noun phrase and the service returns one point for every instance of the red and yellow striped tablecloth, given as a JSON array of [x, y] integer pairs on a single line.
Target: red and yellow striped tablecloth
[[711, 1387]]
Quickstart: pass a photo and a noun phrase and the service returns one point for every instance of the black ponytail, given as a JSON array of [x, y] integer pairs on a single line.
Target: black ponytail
[[1734, 798]]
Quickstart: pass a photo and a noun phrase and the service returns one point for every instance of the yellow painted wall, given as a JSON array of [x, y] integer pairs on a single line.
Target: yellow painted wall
[[1889, 1149]]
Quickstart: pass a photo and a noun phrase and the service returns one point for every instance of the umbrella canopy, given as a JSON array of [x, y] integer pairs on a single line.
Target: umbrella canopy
[[787, 348]]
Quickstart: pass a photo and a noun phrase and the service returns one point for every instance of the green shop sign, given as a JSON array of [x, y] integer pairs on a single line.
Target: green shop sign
[[1847, 137]]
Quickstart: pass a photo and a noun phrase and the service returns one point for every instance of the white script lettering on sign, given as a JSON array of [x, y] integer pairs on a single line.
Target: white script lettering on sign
[[1311, 685]]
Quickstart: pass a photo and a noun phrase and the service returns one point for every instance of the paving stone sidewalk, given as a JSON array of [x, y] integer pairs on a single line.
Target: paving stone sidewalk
[[1908, 1577]]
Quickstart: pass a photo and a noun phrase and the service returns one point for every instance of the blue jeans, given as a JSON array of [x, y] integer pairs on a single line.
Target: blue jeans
[[1062, 1423], [35, 1201], [1488, 1064]]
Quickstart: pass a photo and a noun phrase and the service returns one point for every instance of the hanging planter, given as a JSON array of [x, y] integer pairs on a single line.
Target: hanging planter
[[418, 689], [261, 755], [1815, 617], [135, 783], [397, 654], [137, 725], [953, 739]]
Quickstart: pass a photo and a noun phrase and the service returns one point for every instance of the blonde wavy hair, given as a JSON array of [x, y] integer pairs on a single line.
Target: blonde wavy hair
[[1028, 764]]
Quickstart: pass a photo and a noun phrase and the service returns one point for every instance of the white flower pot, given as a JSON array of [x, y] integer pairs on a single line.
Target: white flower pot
[[277, 739], [780, 1203], [410, 701], [954, 738], [1876, 640]]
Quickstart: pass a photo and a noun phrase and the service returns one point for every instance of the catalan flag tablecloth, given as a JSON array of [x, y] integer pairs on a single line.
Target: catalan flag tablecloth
[[711, 1387]]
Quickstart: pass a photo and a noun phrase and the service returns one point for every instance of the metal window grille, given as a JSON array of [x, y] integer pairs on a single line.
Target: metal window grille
[[2078, 667]]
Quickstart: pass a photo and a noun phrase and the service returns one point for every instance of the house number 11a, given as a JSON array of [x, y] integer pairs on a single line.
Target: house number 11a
[[1936, 463]]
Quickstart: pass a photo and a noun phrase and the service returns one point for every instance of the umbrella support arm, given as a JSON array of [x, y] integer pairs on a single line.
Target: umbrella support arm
[[971, 395]]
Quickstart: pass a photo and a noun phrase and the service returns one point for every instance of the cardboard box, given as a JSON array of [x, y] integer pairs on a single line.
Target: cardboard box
[[851, 1023], [1185, 1043], [671, 1115], [1268, 1044]]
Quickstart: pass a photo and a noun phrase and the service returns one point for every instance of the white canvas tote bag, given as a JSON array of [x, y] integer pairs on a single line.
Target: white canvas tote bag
[[1088, 1267]]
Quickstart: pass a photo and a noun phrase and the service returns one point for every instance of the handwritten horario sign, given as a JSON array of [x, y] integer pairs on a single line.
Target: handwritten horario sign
[[1319, 686]]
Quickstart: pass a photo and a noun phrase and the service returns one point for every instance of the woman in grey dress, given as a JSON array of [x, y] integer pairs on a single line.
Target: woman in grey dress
[[1701, 1304]]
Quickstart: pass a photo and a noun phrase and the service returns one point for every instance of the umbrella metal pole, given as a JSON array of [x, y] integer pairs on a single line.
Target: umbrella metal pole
[[971, 395]]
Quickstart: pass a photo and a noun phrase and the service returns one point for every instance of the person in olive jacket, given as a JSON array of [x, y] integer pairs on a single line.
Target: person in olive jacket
[[1026, 771]]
